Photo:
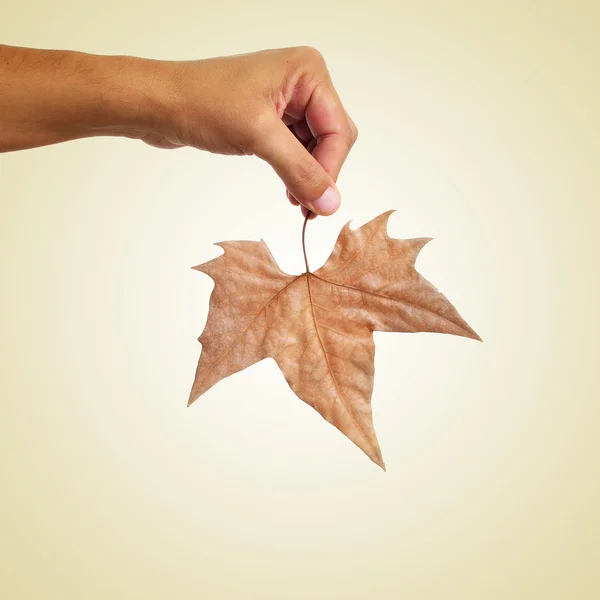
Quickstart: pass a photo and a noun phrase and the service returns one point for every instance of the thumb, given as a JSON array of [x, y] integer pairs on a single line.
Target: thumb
[[302, 175]]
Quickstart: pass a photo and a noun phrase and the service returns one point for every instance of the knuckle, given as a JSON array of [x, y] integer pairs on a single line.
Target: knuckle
[[353, 130], [351, 135], [348, 141], [312, 54]]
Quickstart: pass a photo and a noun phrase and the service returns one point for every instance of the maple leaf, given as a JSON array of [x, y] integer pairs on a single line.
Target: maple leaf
[[319, 326]]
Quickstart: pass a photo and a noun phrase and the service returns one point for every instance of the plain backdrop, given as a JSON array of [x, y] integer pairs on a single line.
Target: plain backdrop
[[479, 124]]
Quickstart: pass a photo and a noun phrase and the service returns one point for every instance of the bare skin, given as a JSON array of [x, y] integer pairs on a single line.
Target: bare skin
[[279, 105]]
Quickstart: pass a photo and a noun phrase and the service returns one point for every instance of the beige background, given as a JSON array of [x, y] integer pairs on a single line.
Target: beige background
[[479, 123]]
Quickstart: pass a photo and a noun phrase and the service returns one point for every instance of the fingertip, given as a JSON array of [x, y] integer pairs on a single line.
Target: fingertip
[[305, 212], [291, 198], [328, 202]]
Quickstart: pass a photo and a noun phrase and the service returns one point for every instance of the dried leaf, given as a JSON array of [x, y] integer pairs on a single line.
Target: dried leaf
[[318, 326]]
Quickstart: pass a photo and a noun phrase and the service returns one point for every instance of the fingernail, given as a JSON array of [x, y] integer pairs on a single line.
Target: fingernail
[[329, 202]]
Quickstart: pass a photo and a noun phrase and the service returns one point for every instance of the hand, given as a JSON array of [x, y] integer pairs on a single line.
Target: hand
[[277, 104]]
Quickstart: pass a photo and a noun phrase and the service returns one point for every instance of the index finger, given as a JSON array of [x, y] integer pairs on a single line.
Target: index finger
[[332, 128]]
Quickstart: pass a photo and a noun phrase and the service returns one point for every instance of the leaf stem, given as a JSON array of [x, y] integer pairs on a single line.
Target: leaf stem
[[303, 240]]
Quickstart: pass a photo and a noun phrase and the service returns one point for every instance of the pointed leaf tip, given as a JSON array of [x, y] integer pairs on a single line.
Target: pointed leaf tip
[[378, 460], [385, 217]]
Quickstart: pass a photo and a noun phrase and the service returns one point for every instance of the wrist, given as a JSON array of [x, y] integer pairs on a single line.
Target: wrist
[[127, 96]]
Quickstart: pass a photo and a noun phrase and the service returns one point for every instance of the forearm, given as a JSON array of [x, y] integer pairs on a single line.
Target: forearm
[[50, 96]]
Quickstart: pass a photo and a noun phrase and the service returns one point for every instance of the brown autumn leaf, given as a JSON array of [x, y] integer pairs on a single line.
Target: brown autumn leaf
[[319, 326]]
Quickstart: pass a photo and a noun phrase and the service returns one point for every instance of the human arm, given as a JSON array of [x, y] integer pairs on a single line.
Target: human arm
[[279, 105]]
